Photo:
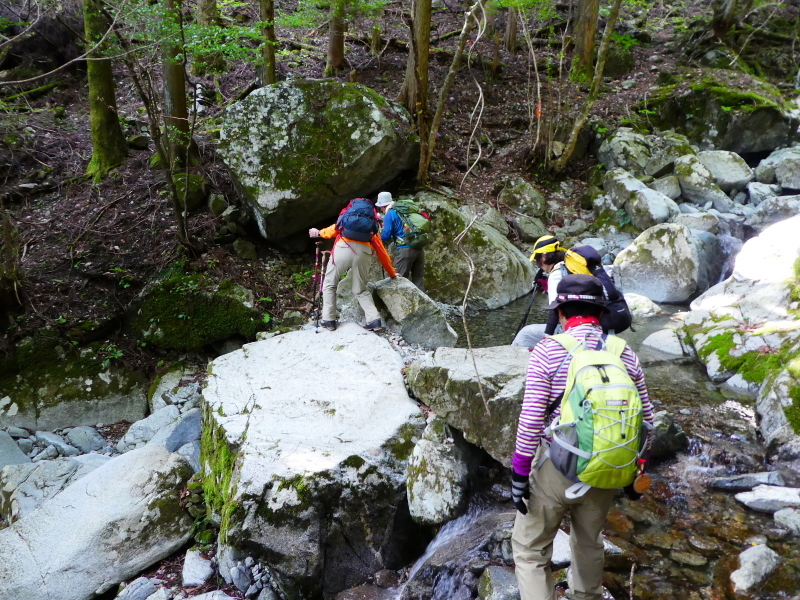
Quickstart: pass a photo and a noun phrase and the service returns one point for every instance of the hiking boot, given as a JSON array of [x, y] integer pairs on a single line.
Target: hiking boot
[[328, 325], [374, 326]]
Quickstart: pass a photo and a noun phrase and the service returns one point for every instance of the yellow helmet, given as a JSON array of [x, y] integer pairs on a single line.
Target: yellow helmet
[[545, 244]]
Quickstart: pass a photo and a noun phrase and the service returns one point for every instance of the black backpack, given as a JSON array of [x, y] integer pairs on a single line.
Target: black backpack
[[619, 317], [358, 220]]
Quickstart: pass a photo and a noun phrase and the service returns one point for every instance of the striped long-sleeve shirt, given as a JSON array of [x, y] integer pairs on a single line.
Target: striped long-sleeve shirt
[[544, 387]]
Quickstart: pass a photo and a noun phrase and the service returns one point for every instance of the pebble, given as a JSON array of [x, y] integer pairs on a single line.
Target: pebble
[[688, 558]]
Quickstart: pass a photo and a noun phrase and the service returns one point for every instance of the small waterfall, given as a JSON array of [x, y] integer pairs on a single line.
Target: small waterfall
[[446, 581], [730, 247]]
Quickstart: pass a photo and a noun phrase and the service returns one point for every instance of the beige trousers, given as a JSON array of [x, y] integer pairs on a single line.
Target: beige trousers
[[348, 256], [532, 540]]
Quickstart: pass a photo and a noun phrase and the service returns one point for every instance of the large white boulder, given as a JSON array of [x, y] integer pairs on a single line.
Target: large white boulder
[[447, 381], [773, 210], [785, 164], [103, 529], [299, 150], [305, 447], [669, 263], [645, 206]]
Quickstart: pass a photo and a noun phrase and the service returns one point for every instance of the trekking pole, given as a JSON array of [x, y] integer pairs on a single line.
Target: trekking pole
[[325, 258], [317, 257], [536, 288]]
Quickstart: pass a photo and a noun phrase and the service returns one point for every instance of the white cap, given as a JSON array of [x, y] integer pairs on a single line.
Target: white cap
[[384, 199]]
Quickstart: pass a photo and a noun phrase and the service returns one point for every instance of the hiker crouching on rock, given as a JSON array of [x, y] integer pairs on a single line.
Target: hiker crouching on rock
[[579, 303], [357, 241]]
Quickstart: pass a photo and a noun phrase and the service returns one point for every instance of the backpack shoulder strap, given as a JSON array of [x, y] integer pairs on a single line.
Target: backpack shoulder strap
[[615, 345]]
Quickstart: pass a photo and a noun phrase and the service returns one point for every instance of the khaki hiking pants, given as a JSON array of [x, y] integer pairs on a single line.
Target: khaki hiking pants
[[348, 256], [532, 540]]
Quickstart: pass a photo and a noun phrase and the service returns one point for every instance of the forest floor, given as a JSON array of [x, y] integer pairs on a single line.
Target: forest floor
[[86, 249]]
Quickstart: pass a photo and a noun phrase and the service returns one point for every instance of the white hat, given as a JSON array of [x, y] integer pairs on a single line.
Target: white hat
[[384, 199]]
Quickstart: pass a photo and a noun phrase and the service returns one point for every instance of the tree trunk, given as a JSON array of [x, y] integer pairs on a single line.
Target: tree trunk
[[585, 28], [594, 91], [413, 96], [511, 30], [335, 39], [208, 17], [109, 147], [267, 13], [176, 115]]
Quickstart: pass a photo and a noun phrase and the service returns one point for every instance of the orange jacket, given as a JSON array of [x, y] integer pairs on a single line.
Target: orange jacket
[[375, 243]]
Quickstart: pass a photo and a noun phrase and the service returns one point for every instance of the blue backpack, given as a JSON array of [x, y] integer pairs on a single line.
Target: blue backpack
[[358, 220]]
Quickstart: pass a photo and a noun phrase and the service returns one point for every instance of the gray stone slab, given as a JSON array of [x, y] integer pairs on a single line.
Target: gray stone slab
[[10, 453]]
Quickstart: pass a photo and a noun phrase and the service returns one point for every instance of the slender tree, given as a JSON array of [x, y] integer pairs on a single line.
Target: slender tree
[[208, 17], [109, 147], [511, 30], [267, 13], [414, 92], [585, 29], [176, 114], [336, 60]]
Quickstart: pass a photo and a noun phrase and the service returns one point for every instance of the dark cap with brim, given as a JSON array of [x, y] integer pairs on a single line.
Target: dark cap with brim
[[579, 288]]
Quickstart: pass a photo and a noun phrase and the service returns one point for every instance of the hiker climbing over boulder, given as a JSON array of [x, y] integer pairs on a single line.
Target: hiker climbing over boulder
[[582, 435], [357, 241], [410, 230], [557, 263]]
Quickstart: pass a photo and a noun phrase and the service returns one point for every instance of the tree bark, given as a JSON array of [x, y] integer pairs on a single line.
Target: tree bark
[[208, 17], [585, 29], [176, 115], [594, 91], [414, 93], [335, 39], [511, 30], [109, 147], [267, 13]]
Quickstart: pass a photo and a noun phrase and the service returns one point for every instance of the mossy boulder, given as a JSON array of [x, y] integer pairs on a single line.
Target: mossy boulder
[[304, 461], [669, 263], [502, 272], [188, 312], [646, 206], [299, 150], [619, 61], [626, 149], [521, 196], [47, 384], [192, 190], [749, 326], [446, 380], [721, 110]]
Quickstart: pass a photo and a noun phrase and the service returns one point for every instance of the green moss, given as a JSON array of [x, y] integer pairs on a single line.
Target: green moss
[[354, 461], [752, 366], [792, 411], [401, 445], [186, 312], [218, 461]]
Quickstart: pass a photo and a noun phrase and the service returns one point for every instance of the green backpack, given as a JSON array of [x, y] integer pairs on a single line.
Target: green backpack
[[600, 434], [416, 227]]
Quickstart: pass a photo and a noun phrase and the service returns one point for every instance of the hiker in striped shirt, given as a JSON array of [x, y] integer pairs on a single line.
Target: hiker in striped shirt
[[580, 304]]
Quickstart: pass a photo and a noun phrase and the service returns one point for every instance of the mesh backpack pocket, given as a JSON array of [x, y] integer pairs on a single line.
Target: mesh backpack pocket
[[600, 433], [416, 227]]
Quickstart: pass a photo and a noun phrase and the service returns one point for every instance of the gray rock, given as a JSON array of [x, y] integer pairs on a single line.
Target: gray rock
[[626, 149], [770, 498], [738, 387], [25, 444], [138, 589], [245, 249], [758, 192], [10, 453], [86, 439], [498, 583], [17, 432], [645, 206], [217, 595], [25, 486], [180, 432], [267, 594], [419, 319], [786, 163], [522, 197], [363, 425], [788, 518], [437, 475], [48, 453], [191, 452], [103, 529], [701, 221], [240, 575], [755, 565], [528, 228], [487, 215], [347, 135], [163, 593], [217, 204], [747, 481], [196, 569], [446, 381], [772, 210], [687, 208], [641, 306], [52, 439], [697, 184], [143, 431], [765, 173], [668, 185], [729, 170]]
